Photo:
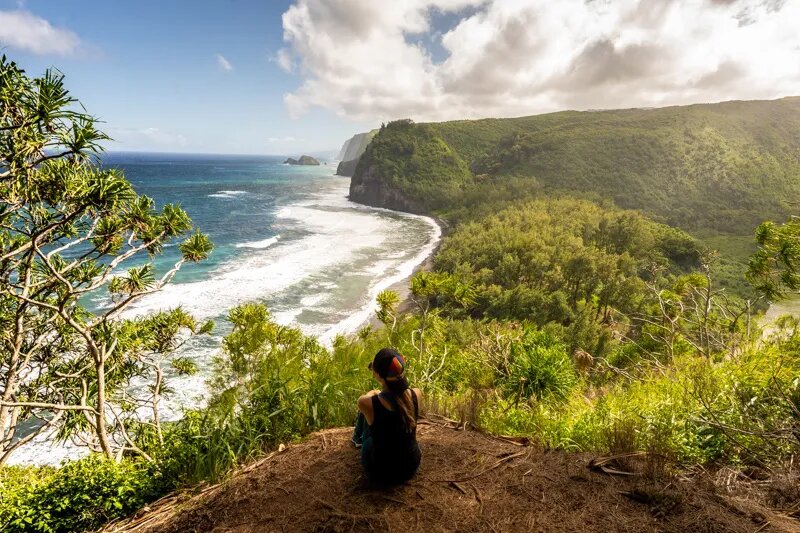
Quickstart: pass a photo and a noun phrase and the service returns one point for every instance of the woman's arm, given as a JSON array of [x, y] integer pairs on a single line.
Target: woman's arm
[[419, 400], [365, 405]]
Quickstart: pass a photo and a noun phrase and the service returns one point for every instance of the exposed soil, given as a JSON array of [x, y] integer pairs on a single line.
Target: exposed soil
[[467, 482]]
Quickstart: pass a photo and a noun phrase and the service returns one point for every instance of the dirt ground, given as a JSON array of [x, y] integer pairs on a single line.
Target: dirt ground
[[467, 482]]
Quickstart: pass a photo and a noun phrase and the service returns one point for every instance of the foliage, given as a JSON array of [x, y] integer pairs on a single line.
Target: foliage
[[565, 261], [271, 385], [709, 169], [81, 495], [726, 166], [415, 161], [775, 267], [540, 368], [67, 229]]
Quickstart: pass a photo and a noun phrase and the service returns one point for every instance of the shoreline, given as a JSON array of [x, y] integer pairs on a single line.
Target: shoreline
[[402, 287], [399, 282]]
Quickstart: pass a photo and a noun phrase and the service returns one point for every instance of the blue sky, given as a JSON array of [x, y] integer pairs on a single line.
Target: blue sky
[[287, 77], [149, 69]]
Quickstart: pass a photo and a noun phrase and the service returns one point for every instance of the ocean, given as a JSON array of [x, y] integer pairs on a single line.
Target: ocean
[[283, 235]]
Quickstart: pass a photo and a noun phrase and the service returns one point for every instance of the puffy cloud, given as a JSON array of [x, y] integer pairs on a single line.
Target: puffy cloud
[[223, 63], [372, 60], [25, 31]]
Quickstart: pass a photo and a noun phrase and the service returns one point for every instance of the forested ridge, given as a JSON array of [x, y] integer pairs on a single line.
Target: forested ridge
[[724, 167]]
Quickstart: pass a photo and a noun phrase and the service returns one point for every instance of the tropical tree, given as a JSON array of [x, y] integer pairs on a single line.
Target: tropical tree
[[67, 229], [775, 267]]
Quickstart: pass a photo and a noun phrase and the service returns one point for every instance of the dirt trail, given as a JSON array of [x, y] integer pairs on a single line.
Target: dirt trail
[[467, 482]]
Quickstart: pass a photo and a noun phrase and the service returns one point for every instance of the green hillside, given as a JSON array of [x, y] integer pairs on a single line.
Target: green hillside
[[722, 167]]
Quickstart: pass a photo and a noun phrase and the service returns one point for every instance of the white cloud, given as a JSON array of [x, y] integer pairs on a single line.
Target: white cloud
[[25, 31], [284, 60], [282, 139], [514, 57], [223, 63]]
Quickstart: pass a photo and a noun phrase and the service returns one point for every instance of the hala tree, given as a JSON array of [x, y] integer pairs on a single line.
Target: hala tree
[[67, 229]]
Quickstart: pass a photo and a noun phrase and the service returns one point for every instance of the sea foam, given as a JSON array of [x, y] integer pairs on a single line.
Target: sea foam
[[226, 194], [259, 245]]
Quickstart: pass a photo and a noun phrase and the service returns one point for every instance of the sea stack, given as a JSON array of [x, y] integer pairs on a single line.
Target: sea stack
[[304, 160]]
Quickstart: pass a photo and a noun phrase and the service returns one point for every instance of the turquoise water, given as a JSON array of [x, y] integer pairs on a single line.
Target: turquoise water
[[283, 235]]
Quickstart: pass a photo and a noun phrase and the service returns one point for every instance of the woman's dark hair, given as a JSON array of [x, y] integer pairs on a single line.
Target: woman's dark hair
[[390, 366]]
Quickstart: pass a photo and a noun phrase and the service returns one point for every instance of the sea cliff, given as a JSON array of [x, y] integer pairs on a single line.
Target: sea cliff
[[351, 152], [369, 187]]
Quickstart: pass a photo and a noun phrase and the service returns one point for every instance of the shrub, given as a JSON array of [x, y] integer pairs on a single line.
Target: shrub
[[81, 495], [540, 368]]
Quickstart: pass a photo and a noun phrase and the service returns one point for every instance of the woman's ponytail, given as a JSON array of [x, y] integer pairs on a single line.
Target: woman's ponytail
[[398, 387], [390, 366]]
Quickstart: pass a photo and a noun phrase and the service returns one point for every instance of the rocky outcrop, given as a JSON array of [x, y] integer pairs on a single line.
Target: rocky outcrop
[[369, 189], [304, 160]]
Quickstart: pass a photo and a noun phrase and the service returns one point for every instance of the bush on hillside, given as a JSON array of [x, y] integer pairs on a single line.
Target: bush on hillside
[[540, 369], [80, 495]]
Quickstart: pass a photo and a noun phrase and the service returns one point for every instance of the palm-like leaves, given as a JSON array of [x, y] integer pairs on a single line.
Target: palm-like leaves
[[137, 280], [775, 267], [196, 248]]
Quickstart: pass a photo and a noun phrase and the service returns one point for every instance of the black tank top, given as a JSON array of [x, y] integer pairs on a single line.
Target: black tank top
[[395, 452]]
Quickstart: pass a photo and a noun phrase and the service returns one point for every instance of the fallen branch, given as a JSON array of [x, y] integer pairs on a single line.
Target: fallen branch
[[457, 486], [495, 465], [478, 497], [600, 464]]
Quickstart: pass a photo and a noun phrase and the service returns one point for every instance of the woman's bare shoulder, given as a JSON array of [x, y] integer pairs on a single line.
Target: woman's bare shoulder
[[368, 396]]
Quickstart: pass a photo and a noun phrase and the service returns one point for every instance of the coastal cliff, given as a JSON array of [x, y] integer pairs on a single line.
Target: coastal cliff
[[351, 152], [355, 146], [407, 167], [369, 188]]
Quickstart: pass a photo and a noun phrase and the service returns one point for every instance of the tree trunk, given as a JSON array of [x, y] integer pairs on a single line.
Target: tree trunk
[[100, 416]]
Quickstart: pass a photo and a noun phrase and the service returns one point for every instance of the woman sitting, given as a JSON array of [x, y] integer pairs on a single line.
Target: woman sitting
[[386, 429]]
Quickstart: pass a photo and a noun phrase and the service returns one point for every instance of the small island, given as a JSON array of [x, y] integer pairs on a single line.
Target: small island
[[304, 160]]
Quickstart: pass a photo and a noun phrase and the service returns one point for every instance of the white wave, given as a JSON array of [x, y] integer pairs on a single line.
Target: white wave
[[287, 318], [380, 268], [259, 245], [336, 237], [312, 300], [227, 194], [45, 450]]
